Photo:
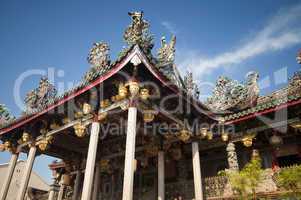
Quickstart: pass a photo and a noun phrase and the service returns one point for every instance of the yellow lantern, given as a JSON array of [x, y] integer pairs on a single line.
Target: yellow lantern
[[102, 116], [80, 130], [144, 94], [134, 88], [87, 108], [204, 132], [122, 91], [247, 141], [225, 137], [25, 137], [184, 135], [104, 103], [43, 144], [148, 115], [209, 135]]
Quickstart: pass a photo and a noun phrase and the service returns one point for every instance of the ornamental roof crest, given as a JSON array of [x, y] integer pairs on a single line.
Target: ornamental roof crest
[[5, 116], [166, 53], [230, 95], [40, 96], [138, 32], [99, 58]]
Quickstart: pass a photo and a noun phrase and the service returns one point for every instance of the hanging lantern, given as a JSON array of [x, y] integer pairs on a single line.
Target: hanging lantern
[[209, 135], [184, 135], [122, 91], [148, 115], [204, 132], [104, 103], [8, 146], [247, 141], [276, 140], [25, 137], [43, 144], [80, 130], [144, 94], [225, 136], [87, 108], [134, 88]]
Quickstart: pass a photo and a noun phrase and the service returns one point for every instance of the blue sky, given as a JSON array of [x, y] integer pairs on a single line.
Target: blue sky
[[213, 38]]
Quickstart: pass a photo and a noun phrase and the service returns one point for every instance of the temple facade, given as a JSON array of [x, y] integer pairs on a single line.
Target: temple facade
[[135, 129]]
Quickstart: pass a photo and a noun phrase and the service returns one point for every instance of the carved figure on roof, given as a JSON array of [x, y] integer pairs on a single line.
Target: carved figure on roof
[[5, 116], [166, 53], [99, 58], [137, 32], [299, 57], [40, 96], [191, 86], [230, 95]]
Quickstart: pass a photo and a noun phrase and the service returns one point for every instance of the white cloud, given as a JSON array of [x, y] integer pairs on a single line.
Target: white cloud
[[282, 31], [170, 27]]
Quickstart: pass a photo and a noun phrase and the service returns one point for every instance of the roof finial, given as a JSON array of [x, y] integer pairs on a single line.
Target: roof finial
[[299, 57], [137, 32]]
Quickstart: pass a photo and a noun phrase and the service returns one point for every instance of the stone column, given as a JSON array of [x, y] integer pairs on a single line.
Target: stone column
[[61, 191], [52, 191], [26, 173], [232, 156], [90, 165], [197, 176], [77, 185], [161, 176], [96, 182], [129, 165], [9, 175]]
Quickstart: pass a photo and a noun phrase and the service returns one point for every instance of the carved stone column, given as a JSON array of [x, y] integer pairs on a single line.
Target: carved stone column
[[26, 173], [61, 191], [232, 157], [9, 175]]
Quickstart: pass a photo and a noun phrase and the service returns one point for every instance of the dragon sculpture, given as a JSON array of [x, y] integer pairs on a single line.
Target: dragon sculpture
[[138, 32], [229, 95], [40, 96], [99, 59]]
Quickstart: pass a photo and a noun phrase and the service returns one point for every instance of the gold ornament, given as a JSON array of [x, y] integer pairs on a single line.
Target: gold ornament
[[80, 130], [2, 147], [144, 93], [247, 141], [148, 115], [43, 131], [225, 136], [104, 103], [184, 135], [25, 137], [134, 88], [122, 91], [296, 125], [104, 165], [102, 116], [43, 144], [204, 132], [87, 108], [209, 135], [78, 114], [8, 146]]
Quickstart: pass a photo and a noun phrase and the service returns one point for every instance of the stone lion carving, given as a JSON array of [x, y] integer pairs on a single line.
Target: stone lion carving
[[230, 95]]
